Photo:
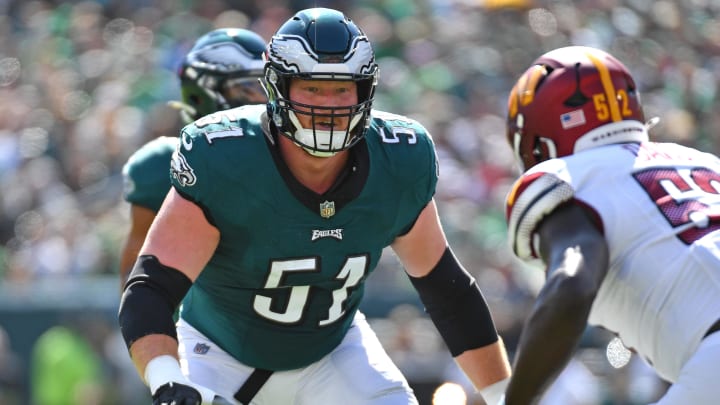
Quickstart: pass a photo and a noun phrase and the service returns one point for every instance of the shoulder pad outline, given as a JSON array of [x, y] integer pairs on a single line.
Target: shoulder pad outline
[[531, 199]]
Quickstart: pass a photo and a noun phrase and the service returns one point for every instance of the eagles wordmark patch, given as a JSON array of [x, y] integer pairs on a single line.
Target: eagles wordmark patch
[[327, 233]]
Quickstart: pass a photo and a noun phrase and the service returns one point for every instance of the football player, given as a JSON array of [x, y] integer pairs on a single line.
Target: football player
[[627, 230], [277, 216], [221, 71]]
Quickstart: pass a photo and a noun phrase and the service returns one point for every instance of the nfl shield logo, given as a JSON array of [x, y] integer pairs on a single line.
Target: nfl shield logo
[[201, 348], [327, 209]]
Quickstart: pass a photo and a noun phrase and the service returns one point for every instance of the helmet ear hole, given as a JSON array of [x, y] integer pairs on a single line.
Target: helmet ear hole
[[544, 148], [537, 151]]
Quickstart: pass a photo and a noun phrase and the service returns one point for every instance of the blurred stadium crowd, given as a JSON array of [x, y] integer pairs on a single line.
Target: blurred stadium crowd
[[85, 83]]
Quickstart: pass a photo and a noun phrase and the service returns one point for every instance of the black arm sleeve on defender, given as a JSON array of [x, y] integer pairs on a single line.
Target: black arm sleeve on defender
[[456, 306], [151, 296]]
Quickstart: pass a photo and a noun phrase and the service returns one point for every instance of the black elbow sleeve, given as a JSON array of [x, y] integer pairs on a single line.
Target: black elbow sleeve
[[150, 297], [456, 306]]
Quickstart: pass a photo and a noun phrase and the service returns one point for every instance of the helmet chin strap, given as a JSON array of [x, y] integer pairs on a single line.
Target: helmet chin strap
[[316, 153]]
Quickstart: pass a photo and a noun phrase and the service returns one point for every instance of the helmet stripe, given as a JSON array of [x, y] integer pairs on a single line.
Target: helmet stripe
[[524, 91], [513, 102], [607, 86], [534, 76]]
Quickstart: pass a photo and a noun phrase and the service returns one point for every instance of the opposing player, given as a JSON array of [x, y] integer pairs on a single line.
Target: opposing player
[[221, 71], [277, 216], [628, 230]]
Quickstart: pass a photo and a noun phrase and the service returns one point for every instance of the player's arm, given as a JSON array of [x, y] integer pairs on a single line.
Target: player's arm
[[179, 244], [454, 301], [140, 220], [575, 253]]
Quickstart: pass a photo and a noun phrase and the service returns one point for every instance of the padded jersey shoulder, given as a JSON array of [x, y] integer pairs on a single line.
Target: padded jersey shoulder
[[405, 149], [146, 174], [534, 195], [216, 146]]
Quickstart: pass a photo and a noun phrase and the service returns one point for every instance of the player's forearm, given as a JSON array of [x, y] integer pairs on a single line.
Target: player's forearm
[[486, 365], [150, 347], [461, 315], [550, 336], [145, 316]]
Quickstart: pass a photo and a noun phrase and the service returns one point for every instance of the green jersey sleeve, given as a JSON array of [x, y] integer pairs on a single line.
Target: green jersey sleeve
[[411, 160], [146, 174], [205, 162]]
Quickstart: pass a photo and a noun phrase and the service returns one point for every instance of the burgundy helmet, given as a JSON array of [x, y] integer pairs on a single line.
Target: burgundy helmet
[[570, 99]]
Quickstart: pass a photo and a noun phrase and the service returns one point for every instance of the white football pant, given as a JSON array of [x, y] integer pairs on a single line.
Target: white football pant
[[358, 371], [698, 381]]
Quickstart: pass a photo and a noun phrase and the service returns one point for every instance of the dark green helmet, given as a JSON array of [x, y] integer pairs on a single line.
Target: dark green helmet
[[320, 44], [221, 71]]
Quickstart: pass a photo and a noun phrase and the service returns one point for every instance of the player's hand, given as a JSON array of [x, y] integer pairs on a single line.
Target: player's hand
[[169, 386], [174, 393]]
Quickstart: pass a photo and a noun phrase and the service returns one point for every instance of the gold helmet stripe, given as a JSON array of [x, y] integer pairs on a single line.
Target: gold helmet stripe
[[524, 91], [607, 86], [513, 101]]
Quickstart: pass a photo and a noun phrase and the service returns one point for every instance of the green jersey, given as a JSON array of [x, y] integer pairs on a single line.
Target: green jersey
[[286, 280], [146, 175]]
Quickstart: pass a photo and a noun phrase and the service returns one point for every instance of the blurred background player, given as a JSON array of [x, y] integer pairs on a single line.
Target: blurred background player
[[628, 230], [221, 71]]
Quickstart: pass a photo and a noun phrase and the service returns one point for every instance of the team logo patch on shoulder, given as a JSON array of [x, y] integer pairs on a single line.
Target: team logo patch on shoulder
[[326, 233], [181, 170]]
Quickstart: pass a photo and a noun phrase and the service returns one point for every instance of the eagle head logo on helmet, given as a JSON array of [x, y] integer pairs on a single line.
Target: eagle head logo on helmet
[[320, 44]]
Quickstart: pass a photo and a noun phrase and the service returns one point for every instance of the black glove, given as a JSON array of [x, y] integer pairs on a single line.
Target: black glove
[[174, 393]]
